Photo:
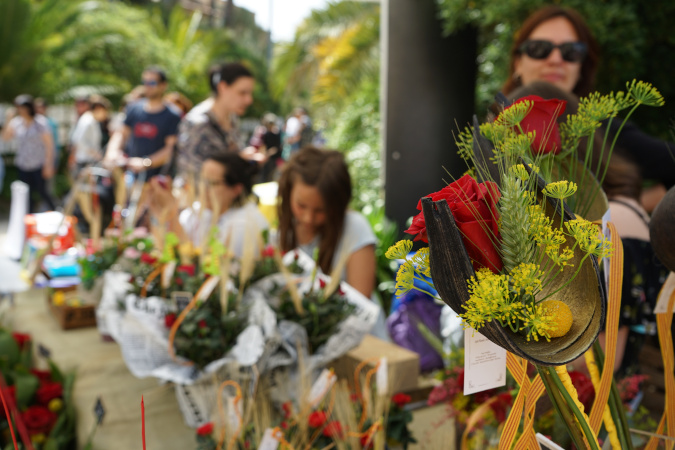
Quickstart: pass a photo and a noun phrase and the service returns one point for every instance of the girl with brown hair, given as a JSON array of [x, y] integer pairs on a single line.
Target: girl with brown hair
[[314, 194]]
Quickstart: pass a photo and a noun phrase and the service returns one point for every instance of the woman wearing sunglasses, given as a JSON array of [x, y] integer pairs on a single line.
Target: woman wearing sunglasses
[[556, 45]]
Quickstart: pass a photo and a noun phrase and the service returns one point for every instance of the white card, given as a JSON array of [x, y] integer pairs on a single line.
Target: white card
[[664, 295], [234, 411], [605, 261], [208, 287], [547, 443], [382, 378], [167, 273], [270, 440], [321, 387], [484, 363]]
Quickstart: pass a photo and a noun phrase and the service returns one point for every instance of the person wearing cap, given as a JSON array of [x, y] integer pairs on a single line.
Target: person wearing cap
[[85, 142], [34, 148], [150, 128]]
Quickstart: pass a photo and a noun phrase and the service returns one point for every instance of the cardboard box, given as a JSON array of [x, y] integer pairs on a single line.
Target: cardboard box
[[403, 364]]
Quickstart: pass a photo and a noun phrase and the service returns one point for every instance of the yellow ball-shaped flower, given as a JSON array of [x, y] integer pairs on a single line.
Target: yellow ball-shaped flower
[[59, 298], [562, 314], [55, 405]]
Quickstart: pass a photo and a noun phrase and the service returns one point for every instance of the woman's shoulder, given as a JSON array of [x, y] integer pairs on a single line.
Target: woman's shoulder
[[357, 227], [249, 213], [629, 218]]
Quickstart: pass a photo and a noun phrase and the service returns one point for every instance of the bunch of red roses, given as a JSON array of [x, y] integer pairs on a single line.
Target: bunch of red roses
[[36, 398]]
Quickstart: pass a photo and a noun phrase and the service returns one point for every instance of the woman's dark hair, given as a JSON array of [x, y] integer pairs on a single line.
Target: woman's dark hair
[[623, 177], [161, 73], [589, 66], [27, 101], [237, 171], [227, 72], [327, 171]]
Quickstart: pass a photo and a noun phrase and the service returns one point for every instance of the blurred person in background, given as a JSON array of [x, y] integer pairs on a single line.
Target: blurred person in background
[[85, 140], [34, 148], [150, 129], [181, 102], [100, 108], [41, 108], [212, 128]]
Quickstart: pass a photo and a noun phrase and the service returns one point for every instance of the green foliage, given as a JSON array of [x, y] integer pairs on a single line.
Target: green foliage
[[62, 48], [322, 315], [635, 39], [333, 51], [206, 334]]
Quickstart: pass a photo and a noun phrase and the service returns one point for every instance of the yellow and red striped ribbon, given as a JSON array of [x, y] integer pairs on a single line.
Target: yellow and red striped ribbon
[[663, 322], [611, 330], [524, 404]]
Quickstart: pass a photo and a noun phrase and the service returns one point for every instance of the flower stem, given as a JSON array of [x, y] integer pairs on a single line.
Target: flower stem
[[581, 419], [561, 408]]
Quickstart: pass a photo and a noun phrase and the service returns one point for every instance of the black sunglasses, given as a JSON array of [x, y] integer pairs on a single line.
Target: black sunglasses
[[539, 49]]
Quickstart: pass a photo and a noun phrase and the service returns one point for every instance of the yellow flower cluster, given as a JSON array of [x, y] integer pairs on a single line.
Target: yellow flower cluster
[[588, 238], [536, 322], [560, 189], [490, 299], [418, 263], [526, 278]]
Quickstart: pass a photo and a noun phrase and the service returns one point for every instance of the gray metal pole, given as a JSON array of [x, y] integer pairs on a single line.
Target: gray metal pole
[[428, 84]]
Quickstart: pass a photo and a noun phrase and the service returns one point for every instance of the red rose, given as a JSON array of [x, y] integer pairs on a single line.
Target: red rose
[[317, 419], [10, 398], [21, 339], [205, 430], [367, 442], [401, 399], [584, 388], [42, 375], [268, 252], [322, 283], [202, 324], [48, 391], [188, 269], [474, 208], [170, 319], [179, 281], [542, 119], [333, 429], [287, 408], [147, 259], [500, 405], [38, 419], [284, 425]]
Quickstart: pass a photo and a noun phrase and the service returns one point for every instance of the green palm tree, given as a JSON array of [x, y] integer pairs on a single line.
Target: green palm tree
[[29, 32], [335, 50]]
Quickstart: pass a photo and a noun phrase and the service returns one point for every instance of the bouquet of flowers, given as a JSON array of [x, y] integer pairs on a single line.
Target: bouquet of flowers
[[207, 332], [320, 312], [508, 254]]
